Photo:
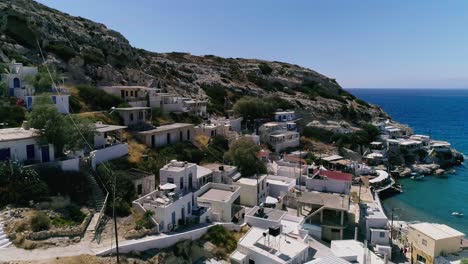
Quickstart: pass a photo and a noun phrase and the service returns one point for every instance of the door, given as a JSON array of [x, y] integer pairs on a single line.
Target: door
[[190, 184], [45, 154], [16, 83], [173, 219], [30, 152], [153, 142], [5, 154], [29, 102], [168, 138], [182, 211], [122, 94]]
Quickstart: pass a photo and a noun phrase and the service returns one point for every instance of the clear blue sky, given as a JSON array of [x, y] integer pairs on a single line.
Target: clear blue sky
[[365, 43]]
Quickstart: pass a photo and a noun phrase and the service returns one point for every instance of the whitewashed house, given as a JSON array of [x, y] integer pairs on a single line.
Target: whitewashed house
[[108, 144], [167, 134], [144, 182], [374, 223], [22, 144], [221, 201], [16, 82], [284, 116], [60, 100], [254, 190], [278, 136], [329, 181], [267, 246], [234, 124], [134, 115], [137, 96], [222, 173], [196, 107]]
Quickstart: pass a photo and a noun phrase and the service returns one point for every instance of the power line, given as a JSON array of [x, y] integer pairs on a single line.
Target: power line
[[115, 234]]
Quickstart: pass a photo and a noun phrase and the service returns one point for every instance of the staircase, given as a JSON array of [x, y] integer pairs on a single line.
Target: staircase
[[98, 200], [4, 241]]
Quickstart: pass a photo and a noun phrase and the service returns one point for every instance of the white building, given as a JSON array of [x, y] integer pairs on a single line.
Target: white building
[[22, 144], [138, 96], [254, 190], [144, 182], [180, 173], [264, 217], [234, 124], [274, 247], [223, 173], [284, 116], [197, 107], [329, 181], [134, 115], [167, 134], [171, 208], [210, 130], [106, 135], [16, 82], [278, 185], [221, 201], [374, 223]]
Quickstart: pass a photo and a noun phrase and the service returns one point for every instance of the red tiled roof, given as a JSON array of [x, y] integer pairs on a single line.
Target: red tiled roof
[[336, 175]]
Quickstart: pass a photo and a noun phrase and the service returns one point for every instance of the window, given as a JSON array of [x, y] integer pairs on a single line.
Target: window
[[424, 242], [126, 93], [131, 117], [382, 234], [181, 182], [421, 259], [140, 189], [170, 180], [140, 115], [189, 208], [251, 261], [131, 93], [188, 135]]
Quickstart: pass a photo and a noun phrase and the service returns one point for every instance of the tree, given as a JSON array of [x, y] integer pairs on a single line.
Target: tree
[[251, 108], [42, 81], [243, 153], [54, 128], [19, 185]]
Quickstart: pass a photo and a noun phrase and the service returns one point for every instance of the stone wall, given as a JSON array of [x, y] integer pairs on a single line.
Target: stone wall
[[66, 232]]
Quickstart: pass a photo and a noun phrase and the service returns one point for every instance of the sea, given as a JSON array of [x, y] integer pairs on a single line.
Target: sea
[[441, 114]]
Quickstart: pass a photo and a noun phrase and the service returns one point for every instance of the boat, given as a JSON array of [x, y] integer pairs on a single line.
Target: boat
[[416, 176], [457, 214]]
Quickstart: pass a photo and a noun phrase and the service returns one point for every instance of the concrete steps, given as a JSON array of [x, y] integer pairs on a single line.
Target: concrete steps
[[4, 241]]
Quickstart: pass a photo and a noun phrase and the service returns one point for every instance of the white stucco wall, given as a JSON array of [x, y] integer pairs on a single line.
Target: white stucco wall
[[113, 152], [18, 149], [328, 185]]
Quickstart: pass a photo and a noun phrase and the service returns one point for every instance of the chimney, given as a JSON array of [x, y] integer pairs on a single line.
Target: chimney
[[25, 125]]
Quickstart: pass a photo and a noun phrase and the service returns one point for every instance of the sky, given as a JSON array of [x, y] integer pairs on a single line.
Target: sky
[[362, 44]]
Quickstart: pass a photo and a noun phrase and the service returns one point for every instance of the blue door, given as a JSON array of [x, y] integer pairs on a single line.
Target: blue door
[[29, 102], [16, 83], [54, 99], [45, 154], [5, 154]]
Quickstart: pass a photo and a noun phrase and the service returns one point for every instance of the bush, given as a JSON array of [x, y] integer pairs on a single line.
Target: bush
[[96, 98], [265, 68], [221, 237], [39, 222], [72, 184], [63, 51], [12, 114]]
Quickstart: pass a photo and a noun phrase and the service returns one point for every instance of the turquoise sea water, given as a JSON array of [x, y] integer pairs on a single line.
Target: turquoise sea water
[[442, 114]]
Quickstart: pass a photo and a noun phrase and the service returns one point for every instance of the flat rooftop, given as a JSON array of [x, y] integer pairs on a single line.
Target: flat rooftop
[[216, 167], [177, 166], [268, 213], [17, 133], [166, 128], [332, 158], [135, 108], [217, 195], [329, 200], [281, 249], [252, 181], [103, 128], [202, 171], [437, 231], [373, 211]]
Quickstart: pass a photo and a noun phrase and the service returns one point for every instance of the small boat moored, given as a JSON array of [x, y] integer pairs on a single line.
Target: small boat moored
[[457, 214], [416, 176]]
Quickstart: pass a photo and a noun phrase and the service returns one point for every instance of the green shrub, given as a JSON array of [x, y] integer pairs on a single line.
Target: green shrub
[[96, 98], [63, 51], [265, 68], [39, 221], [221, 237]]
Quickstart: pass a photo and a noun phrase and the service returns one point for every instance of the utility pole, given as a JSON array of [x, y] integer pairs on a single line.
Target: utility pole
[[115, 219]]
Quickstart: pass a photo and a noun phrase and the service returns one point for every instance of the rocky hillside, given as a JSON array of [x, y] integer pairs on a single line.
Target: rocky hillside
[[86, 51]]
